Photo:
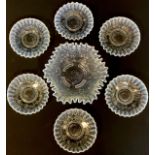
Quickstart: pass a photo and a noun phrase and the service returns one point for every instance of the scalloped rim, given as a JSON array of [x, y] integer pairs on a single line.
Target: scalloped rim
[[80, 7], [60, 117], [17, 26], [55, 89], [15, 81], [132, 24], [135, 111]]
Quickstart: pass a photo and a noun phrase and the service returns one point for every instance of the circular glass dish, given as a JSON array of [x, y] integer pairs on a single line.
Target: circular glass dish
[[126, 95], [27, 94], [119, 36], [76, 73], [75, 130], [74, 21], [29, 37]]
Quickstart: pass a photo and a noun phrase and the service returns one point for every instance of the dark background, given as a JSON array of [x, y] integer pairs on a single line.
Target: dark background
[[32, 135]]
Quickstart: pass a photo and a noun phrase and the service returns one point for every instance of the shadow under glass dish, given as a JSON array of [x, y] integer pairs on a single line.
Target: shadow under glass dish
[[74, 76], [126, 95], [30, 38], [118, 37], [73, 21], [28, 94], [75, 131]]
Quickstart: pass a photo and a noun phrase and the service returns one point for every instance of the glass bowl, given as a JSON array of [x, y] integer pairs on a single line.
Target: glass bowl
[[75, 130], [119, 36], [76, 73], [126, 95], [27, 94], [74, 21], [29, 37]]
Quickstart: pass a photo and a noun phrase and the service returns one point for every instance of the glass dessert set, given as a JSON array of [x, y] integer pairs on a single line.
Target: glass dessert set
[[76, 72]]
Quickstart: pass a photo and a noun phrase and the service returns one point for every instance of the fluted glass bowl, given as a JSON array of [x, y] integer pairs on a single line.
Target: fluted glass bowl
[[119, 36], [126, 95], [29, 37], [76, 73], [74, 21], [75, 130], [27, 94]]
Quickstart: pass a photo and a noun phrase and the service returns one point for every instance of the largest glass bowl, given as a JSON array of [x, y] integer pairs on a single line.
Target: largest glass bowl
[[76, 73]]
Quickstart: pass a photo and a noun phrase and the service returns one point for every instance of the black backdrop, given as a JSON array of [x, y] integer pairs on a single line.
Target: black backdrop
[[32, 135]]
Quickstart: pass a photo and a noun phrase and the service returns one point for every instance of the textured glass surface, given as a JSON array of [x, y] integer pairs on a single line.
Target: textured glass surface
[[119, 36], [74, 21], [27, 94], [75, 72], [75, 130], [29, 37], [126, 95]]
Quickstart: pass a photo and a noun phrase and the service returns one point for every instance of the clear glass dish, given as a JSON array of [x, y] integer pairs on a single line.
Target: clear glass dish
[[76, 73], [75, 130], [29, 37], [74, 21], [119, 36], [27, 94], [126, 95]]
